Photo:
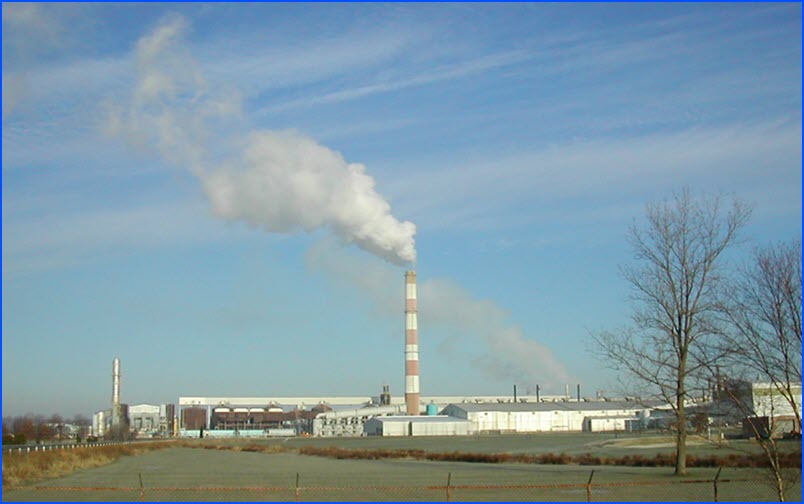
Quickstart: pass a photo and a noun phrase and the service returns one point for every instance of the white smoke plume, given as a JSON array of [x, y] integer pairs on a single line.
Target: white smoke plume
[[449, 313], [286, 182], [509, 354], [277, 181]]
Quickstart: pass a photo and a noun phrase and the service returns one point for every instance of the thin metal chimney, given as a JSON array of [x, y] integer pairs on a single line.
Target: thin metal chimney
[[116, 392], [412, 395]]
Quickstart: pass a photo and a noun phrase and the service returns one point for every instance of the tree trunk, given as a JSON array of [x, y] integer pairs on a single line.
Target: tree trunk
[[681, 436]]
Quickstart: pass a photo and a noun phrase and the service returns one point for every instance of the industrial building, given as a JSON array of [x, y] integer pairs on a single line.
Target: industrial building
[[478, 415], [553, 416], [270, 419], [103, 421], [150, 420], [143, 418], [765, 411], [122, 421], [438, 425], [349, 422], [381, 415]]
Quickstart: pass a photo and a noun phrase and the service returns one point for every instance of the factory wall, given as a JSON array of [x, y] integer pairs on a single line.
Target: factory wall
[[144, 418], [416, 426], [610, 424], [768, 401], [99, 421], [194, 418], [543, 417]]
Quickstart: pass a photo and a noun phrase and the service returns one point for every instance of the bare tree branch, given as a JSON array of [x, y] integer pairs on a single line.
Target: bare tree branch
[[675, 278]]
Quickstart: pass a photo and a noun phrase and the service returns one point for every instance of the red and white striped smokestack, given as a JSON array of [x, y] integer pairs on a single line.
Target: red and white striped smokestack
[[412, 396]]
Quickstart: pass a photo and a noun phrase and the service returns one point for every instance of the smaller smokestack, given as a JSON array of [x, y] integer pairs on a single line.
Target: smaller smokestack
[[579, 392], [514, 392], [116, 411], [116, 381], [566, 391], [537, 393]]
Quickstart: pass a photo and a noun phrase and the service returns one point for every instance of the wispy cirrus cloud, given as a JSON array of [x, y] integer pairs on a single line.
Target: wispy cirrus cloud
[[430, 76], [754, 158], [58, 240], [28, 30]]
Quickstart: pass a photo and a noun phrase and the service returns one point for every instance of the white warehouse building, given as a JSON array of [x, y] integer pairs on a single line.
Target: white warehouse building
[[563, 416], [436, 425]]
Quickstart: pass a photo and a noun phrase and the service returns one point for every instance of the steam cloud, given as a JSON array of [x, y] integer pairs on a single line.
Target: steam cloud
[[460, 321], [288, 181], [280, 181]]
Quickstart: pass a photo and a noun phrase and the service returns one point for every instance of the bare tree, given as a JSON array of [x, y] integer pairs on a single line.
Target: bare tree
[[763, 311], [83, 424], [56, 422], [674, 278], [24, 427], [42, 431], [783, 463]]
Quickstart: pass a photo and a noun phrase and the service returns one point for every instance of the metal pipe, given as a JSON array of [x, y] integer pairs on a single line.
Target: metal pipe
[[514, 392]]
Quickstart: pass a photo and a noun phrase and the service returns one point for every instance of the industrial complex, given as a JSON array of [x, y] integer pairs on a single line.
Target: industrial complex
[[384, 414]]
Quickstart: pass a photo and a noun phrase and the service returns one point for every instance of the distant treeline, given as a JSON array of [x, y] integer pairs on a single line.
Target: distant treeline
[[37, 428]]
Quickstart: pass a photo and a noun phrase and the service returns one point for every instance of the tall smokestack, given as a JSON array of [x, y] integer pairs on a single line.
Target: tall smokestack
[[412, 395], [116, 392]]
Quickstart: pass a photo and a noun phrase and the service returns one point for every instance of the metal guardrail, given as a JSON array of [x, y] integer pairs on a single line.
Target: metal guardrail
[[59, 446]]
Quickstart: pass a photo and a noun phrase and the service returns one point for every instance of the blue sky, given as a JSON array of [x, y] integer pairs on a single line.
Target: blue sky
[[226, 196]]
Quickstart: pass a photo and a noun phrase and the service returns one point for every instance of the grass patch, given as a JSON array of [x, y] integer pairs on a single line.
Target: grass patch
[[30, 467], [25, 468]]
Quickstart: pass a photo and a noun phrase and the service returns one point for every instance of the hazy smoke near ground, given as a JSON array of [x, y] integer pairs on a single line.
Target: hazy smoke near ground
[[277, 181], [509, 354], [448, 313]]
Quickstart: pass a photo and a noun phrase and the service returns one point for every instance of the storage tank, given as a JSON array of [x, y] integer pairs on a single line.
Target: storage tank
[[432, 410]]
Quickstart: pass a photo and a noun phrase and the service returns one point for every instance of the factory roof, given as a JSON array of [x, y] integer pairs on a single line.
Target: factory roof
[[559, 406], [419, 418]]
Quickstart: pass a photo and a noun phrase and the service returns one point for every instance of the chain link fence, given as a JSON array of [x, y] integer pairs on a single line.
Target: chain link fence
[[670, 490]]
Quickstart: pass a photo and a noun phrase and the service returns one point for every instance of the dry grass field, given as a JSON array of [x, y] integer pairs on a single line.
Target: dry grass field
[[267, 470]]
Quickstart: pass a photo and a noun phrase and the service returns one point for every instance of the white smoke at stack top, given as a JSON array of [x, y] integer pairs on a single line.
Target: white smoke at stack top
[[412, 395]]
